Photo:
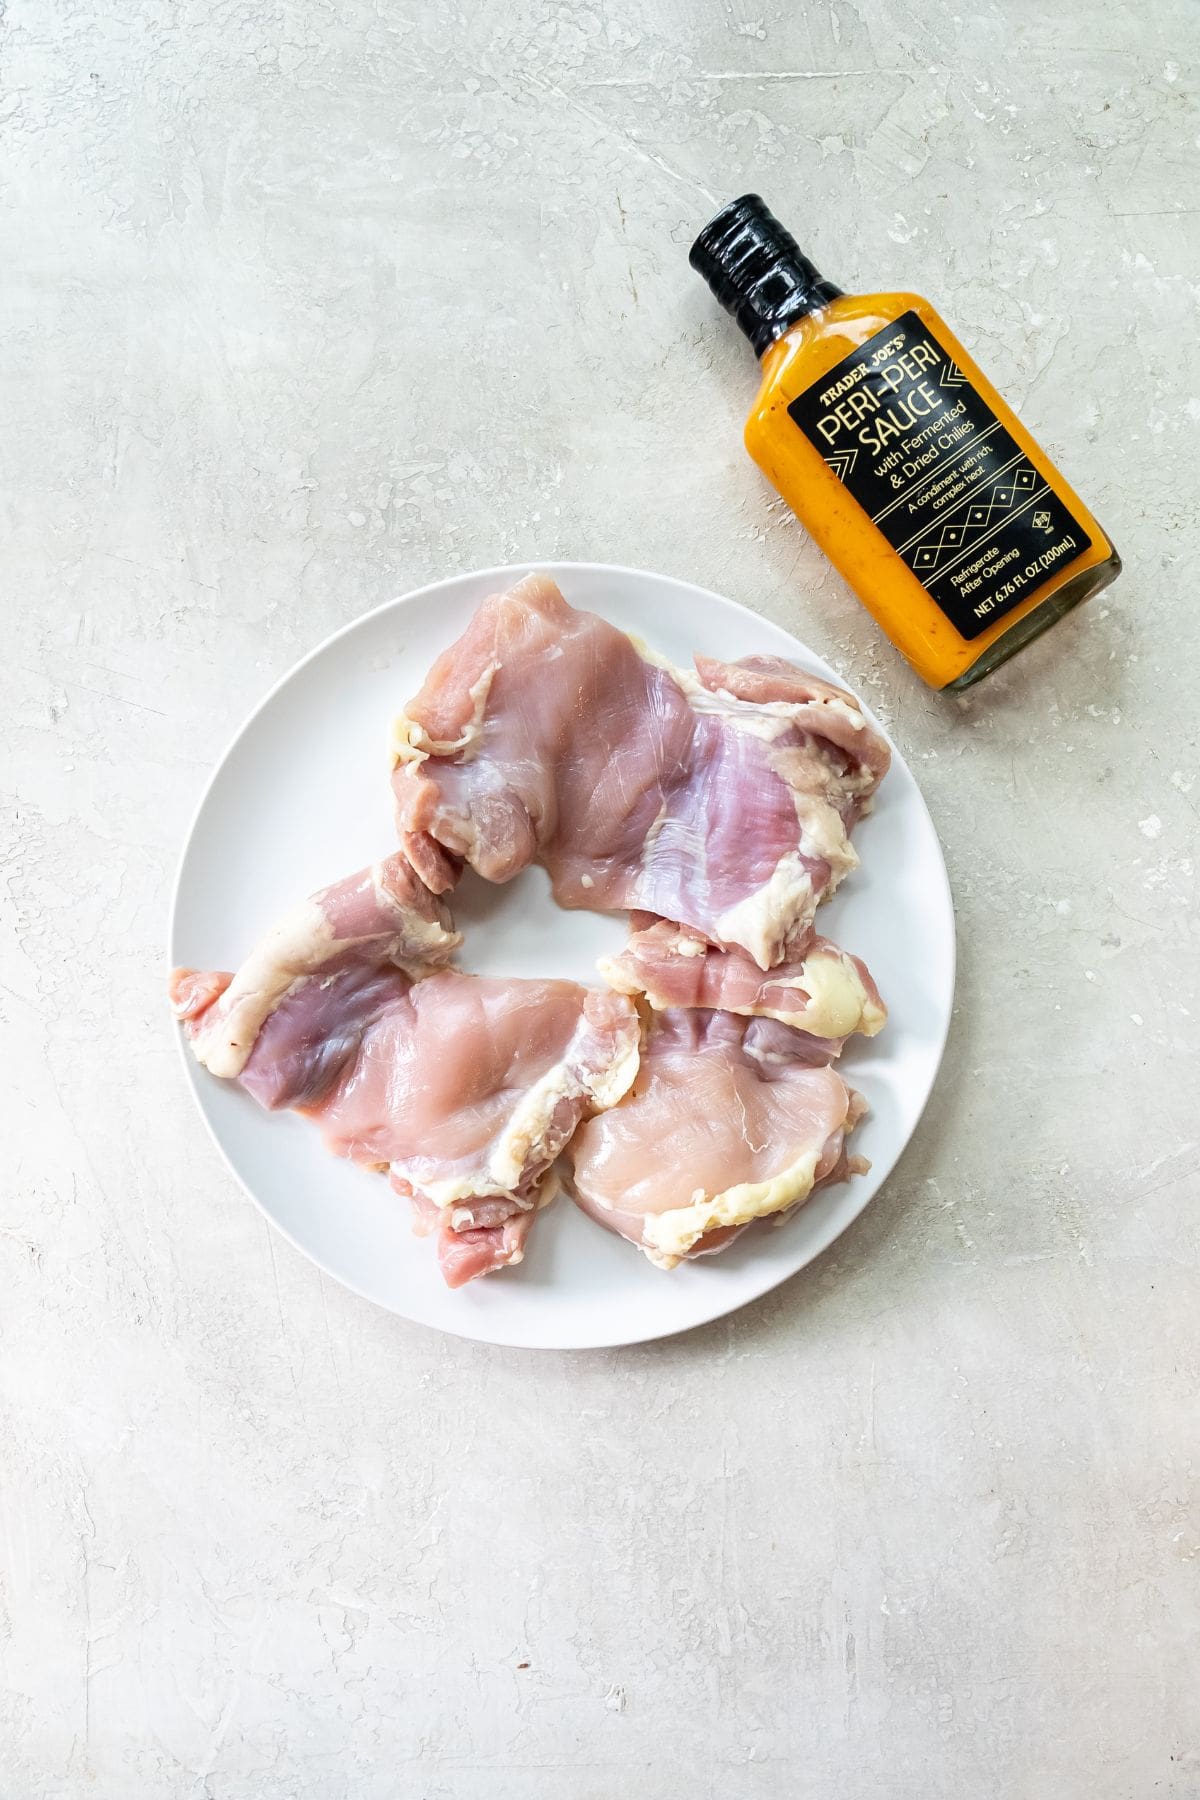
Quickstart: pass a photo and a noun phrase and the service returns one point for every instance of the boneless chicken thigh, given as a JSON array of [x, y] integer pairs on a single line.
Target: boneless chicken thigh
[[283, 1022], [821, 990], [463, 1089], [720, 799], [728, 1121]]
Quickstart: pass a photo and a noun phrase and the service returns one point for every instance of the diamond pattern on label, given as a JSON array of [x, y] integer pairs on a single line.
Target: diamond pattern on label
[[1002, 496], [931, 553]]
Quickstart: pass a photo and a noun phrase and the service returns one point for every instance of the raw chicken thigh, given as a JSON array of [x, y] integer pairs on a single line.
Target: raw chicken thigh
[[721, 800], [823, 991], [312, 979], [463, 1089], [728, 1121]]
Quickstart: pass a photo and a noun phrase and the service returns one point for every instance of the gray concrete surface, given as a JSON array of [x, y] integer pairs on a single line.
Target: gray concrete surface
[[301, 306]]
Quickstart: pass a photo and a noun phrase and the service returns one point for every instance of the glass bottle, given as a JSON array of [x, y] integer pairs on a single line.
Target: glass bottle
[[892, 447]]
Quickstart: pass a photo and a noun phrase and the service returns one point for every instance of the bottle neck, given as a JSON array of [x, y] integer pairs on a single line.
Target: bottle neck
[[758, 272]]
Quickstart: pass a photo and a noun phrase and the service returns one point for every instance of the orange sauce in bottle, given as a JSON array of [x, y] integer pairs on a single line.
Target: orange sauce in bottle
[[884, 436]]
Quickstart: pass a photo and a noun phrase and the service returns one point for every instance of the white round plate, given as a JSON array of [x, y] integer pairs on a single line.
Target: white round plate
[[302, 797]]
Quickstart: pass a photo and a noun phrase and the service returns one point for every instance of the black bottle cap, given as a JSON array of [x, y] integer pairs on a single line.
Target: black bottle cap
[[757, 270]]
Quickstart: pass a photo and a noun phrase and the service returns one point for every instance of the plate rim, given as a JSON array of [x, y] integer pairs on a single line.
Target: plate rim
[[507, 574]]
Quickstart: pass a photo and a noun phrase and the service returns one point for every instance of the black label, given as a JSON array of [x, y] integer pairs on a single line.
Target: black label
[[932, 466]]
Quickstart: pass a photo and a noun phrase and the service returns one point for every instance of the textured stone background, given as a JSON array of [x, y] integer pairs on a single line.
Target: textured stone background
[[304, 304]]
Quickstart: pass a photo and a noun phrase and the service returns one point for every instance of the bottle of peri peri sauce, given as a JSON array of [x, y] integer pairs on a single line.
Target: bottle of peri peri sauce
[[895, 451]]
